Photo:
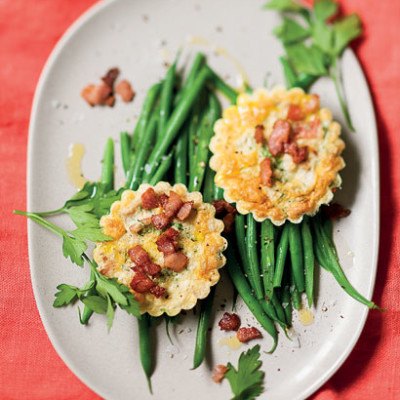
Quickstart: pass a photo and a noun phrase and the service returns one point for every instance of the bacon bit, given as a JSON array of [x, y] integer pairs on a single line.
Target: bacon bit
[[157, 290], [335, 211], [295, 113], [306, 130], [110, 77], [141, 283], [185, 210], [228, 221], [312, 105], [160, 221], [150, 199], [150, 268], [146, 221], [139, 255], [124, 89], [175, 261], [246, 334], [229, 322], [167, 242], [299, 154], [222, 205], [173, 205], [219, 373], [266, 172], [96, 95], [110, 101], [259, 134], [163, 199], [280, 135], [135, 227]]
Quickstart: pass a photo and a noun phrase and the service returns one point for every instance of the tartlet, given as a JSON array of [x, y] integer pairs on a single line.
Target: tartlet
[[281, 180], [199, 239]]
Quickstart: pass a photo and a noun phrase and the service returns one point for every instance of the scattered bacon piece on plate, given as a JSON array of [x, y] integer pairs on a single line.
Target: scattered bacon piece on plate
[[222, 205], [295, 113], [228, 221], [219, 373], [96, 94], [150, 199], [185, 210], [175, 261], [246, 334], [259, 134], [229, 322], [335, 211], [124, 89], [110, 77], [279, 136], [141, 283], [266, 172]]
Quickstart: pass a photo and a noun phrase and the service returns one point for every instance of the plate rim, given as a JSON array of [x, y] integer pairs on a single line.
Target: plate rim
[[71, 31]]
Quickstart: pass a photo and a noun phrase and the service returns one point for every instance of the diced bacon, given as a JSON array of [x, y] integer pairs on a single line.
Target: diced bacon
[[259, 134], [157, 290], [228, 220], [160, 221], [295, 113], [124, 89], [246, 334], [279, 136], [175, 261], [185, 210], [299, 154], [146, 221], [335, 211], [96, 94], [109, 102], [312, 105], [167, 242], [150, 199], [110, 77], [139, 255], [266, 172], [173, 205], [141, 283], [135, 227], [229, 322], [219, 373], [222, 205], [151, 268], [163, 199], [306, 130]]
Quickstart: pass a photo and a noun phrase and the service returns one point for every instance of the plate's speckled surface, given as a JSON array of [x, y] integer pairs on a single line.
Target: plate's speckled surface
[[138, 36]]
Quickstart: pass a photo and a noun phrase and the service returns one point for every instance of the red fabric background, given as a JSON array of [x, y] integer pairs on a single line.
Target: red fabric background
[[29, 366]]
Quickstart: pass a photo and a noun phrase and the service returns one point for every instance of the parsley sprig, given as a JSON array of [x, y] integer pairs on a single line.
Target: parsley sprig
[[247, 381], [313, 45]]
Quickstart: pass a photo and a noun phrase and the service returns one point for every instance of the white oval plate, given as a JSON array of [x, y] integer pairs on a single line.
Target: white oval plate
[[138, 36]]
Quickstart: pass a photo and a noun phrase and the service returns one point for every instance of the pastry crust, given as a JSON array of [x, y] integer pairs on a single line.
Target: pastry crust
[[297, 189], [199, 239]]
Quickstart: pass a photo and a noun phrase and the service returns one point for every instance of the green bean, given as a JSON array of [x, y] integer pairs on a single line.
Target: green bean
[[219, 84], [136, 168], [181, 158], [162, 169], [281, 253], [251, 250], [328, 260], [166, 98], [218, 193], [147, 107], [286, 304], [296, 299], [268, 257], [125, 151], [244, 290], [169, 319], [193, 133], [296, 255], [107, 172], [328, 229], [197, 64], [280, 313], [308, 259], [206, 132], [176, 120], [202, 328], [208, 188], [145, 347]]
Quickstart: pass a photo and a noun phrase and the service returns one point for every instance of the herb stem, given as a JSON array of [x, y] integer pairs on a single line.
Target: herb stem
[[38, 219]]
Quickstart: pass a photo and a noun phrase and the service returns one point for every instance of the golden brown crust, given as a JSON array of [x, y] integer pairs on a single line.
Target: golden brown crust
[[297, 189]]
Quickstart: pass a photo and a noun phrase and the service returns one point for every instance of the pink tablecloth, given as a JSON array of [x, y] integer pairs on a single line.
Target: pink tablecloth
[[29, 366]]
